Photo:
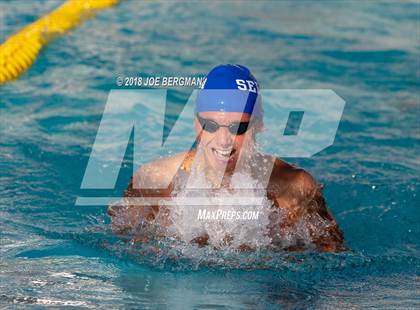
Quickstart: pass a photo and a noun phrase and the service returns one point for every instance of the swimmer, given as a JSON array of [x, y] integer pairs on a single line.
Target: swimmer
[[226, 124]]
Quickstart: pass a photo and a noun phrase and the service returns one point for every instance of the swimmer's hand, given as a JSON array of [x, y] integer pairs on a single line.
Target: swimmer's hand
[[201, 241], [124, 219]]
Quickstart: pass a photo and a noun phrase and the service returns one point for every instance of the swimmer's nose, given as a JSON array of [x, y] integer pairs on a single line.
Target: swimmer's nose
[[224, 137]]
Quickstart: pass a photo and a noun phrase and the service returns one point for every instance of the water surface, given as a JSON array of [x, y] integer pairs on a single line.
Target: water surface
[[56, 253]]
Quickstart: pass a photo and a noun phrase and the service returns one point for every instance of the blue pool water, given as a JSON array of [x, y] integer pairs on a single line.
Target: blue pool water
[[55, 253]]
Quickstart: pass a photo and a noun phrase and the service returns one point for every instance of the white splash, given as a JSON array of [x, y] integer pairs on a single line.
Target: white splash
[[222, 233]]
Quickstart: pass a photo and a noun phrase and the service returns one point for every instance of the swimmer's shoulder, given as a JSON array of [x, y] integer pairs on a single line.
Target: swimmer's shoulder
[[286, 177], [160, 171]]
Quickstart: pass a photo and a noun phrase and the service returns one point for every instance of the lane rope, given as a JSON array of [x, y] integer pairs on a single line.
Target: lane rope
[[20, 50]]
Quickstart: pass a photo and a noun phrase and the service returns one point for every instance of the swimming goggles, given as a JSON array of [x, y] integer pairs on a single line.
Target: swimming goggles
[[236, 128]]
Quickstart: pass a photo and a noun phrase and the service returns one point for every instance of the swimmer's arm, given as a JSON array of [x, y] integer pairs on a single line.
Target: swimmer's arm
[[305, 202], [328, 237], [151, 180], [126, 218]]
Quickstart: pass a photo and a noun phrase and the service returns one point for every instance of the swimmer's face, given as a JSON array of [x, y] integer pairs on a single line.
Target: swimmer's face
[[221, 148]]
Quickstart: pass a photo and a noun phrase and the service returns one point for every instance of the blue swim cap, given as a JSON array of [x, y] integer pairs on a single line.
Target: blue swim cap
[[230, 88]]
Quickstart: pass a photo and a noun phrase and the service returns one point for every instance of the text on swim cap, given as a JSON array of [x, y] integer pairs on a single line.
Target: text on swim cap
[[246, 85]]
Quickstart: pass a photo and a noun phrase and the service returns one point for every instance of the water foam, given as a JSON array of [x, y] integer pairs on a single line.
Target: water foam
[[222, 233]]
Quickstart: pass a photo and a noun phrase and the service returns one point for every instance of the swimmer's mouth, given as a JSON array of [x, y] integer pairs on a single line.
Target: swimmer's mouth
[[223, 154]]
